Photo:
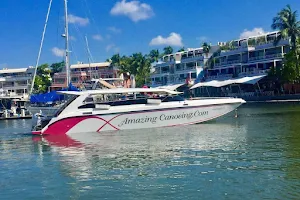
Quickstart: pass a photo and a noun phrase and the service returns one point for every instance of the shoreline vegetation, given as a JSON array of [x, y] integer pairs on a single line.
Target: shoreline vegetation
[[139, 64]]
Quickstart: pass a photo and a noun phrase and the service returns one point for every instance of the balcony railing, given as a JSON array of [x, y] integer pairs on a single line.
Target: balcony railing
[[233, 61], [254, 72], [227, 63], [278, 55], [256, 58], [220, 77]]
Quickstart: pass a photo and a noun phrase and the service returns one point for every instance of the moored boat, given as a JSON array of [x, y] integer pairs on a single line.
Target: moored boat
[[110, 110]]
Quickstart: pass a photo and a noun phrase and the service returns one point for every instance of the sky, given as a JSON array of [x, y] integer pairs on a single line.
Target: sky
[[126, 26]]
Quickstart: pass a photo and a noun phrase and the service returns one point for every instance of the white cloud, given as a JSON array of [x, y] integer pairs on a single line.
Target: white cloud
[[112, 47], [98, 37], [109, 47], [114, 29], [135, 10], [248, 33], [174, 39], [73, 19], [58, 52]]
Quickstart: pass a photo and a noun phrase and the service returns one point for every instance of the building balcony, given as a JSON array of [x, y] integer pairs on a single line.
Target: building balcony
[[184, 71], [15, 78], [270, 56], [219, 77], [59, 85], [165, 64], [237, 50], [270, 44], [192, 59], [233, 61], [165, 72], [222, 64], [255, 72], [18, 87]]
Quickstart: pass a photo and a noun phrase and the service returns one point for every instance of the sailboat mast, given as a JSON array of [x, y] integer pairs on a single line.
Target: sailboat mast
[[67, 44], [89, 56]]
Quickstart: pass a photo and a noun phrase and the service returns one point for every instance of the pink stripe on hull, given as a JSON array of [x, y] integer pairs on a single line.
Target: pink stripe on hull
[[64, 125]]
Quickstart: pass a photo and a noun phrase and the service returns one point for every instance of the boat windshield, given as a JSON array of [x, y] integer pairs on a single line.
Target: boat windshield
[[70, 99]]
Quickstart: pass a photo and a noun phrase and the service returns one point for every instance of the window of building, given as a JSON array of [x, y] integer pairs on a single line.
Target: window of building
[[59, 80]]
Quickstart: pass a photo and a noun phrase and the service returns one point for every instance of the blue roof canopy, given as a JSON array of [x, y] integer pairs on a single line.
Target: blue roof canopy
[[51, 97]]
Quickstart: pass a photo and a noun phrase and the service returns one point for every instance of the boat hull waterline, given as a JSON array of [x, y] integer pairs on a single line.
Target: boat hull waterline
[[138, 119]]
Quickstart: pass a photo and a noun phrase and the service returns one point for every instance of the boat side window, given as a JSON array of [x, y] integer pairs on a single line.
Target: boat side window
[[115, 103], [172, 98]]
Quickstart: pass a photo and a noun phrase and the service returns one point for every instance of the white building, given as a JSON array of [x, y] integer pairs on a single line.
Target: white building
[[15, 83], [180, 67]]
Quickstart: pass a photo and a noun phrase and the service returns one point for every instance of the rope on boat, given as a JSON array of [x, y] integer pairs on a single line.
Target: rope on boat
[[41, 46]]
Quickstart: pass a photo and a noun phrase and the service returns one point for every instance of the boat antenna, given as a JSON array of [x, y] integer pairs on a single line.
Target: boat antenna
[[40, 50], [67, 44]]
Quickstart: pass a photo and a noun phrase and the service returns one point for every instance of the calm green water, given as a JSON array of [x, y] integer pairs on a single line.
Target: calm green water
[[254, 156]]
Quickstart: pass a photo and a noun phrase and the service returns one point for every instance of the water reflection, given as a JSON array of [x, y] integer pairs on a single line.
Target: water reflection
[[254, 156]]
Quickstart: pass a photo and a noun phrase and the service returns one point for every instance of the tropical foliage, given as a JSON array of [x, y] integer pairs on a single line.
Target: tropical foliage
[[286, 22], [206, 48], [43, 79], [137, 64], [57, 67], [167, 50], [154, 55]]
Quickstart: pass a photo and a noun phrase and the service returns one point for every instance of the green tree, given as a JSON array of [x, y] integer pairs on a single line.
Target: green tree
[[290, 71], [122, 63], [57, 67], [206, 48], [168, 50], [286, 22], [154, 55], [43, 79], [140, 67]]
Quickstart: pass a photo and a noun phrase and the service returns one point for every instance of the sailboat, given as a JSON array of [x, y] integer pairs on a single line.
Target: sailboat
[[48, 103]]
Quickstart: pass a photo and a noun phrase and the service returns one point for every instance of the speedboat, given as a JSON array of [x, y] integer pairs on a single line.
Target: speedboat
[[130, 108]]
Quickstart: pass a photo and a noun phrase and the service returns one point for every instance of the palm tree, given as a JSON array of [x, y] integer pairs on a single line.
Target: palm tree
[[206, 48], [168, 50], [154, 55], [286, 22], [140, 67]]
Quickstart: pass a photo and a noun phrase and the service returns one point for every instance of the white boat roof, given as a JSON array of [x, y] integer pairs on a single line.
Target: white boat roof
[[220, 83], [120, 91], [171, 87]]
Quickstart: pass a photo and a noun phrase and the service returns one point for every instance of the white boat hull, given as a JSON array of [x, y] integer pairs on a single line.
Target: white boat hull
[[164, 117]]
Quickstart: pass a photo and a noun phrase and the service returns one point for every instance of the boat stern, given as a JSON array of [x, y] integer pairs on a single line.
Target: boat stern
[[38, 123]]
